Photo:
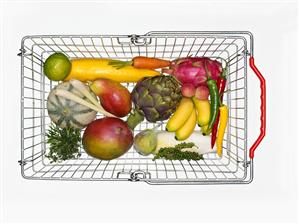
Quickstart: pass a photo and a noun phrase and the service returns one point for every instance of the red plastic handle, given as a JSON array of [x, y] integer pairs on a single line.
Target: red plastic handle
[[263, 108]]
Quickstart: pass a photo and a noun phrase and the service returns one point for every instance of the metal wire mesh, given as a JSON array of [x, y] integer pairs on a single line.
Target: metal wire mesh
[[232, 167]]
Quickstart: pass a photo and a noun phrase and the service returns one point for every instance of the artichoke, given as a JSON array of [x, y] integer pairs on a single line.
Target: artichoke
[[155, 98]]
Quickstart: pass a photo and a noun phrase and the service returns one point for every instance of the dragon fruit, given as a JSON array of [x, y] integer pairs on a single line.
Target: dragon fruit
[[194, 70]]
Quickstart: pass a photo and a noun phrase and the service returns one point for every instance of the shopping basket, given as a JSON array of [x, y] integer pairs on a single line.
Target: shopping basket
[[234, 167]]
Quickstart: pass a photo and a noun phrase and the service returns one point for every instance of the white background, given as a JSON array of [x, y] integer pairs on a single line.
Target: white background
[[272, 197]]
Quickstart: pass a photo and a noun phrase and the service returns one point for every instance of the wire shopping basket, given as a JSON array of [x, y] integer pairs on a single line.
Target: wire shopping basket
[[234, 167]]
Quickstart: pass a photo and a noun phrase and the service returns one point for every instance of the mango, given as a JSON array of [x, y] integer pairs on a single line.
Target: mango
[[107, 138], [114, 97]]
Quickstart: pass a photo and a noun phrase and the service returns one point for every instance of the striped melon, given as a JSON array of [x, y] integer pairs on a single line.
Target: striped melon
[[66, 113]]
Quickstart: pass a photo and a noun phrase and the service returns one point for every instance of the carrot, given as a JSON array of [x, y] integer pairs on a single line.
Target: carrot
[[141, 62], [149, 63]]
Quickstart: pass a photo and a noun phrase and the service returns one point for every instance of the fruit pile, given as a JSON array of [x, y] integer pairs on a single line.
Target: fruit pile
[[186, 92]]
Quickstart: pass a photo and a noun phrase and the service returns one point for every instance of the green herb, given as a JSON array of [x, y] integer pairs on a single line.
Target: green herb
[[175, 153], [64, 143]]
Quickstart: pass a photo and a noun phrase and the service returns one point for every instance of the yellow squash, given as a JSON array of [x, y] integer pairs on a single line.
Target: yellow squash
[[89, 69]]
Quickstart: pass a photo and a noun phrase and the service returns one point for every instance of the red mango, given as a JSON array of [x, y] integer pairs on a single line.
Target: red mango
[[107, 138], [114, 97]]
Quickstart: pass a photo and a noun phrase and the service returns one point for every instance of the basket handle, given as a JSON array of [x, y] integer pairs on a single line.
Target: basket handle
[[263, 107]]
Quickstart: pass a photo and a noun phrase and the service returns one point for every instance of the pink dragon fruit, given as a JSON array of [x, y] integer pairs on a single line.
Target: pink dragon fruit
[[194, 70]]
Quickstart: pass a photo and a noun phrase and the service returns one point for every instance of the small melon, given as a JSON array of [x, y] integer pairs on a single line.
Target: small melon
[[66, 113]]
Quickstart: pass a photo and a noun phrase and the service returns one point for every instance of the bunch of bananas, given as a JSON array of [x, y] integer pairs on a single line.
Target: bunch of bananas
[[190, 112]]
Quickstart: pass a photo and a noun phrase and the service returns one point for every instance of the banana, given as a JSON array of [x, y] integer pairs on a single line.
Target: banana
[[187, 129], [203, 111], [181, 115], [205, 131]]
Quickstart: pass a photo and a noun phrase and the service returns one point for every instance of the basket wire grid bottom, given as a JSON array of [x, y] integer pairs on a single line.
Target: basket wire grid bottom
[[145, 168], [232, 167]]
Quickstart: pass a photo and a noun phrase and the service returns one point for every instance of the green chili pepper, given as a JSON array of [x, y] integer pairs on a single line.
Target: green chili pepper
[[214, 105]]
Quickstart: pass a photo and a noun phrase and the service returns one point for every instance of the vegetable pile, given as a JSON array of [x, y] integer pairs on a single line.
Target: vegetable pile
[[184, 92]]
